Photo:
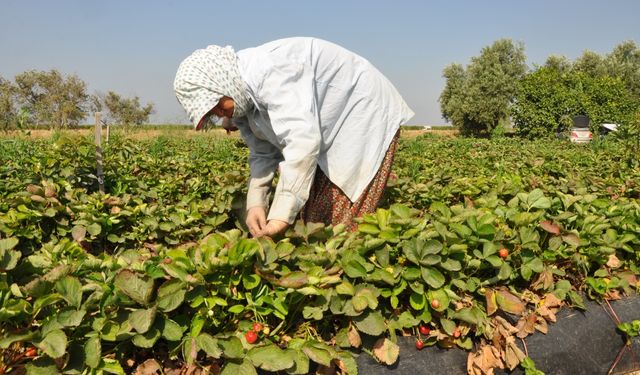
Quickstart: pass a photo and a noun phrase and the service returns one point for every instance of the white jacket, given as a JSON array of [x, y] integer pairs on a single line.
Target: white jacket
[[316, 104]]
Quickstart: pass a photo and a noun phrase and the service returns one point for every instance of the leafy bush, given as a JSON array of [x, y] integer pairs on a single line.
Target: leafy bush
[[156, 271], [548, 99]]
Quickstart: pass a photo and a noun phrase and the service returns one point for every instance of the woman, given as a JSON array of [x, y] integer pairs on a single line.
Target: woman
[[323, 116]]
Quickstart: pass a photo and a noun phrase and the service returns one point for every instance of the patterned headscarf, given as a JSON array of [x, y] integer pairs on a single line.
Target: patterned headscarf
[[206, 76]]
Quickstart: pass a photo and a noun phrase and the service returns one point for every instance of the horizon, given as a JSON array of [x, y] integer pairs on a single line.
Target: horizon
[[111, 47]]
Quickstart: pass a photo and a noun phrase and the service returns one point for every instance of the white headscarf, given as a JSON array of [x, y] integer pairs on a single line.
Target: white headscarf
[[206, 76]]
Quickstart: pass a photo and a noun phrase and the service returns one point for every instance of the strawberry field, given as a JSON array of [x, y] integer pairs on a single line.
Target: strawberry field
[[478, 244]]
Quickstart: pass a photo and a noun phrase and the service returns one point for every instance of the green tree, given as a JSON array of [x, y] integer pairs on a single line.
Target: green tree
[[477, 99], [624, 62], [51, 98], [452, 97], [591, 64], [8, 111], [548, 99], [126, 111], [559, 63]]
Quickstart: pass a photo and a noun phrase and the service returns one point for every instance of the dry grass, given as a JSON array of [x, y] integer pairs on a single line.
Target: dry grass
[[142, 133]]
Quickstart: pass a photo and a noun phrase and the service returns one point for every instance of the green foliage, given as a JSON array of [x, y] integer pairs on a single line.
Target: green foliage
[[628, 136], [158, 264], [548, 99], [126, 111], [52, 98], [630, 330], [477, 98], [8, 113]]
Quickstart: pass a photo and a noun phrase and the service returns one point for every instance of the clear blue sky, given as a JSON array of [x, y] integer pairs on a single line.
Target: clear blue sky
[[133, 47]]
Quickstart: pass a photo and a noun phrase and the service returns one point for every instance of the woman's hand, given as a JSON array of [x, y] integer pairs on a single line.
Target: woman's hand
[[256, 220], [275, 227]]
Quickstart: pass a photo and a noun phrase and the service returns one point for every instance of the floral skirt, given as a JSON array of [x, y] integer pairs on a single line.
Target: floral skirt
[[328, 204]]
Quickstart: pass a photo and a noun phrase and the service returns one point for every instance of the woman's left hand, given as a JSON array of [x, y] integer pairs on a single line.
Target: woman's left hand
[[274, 227]]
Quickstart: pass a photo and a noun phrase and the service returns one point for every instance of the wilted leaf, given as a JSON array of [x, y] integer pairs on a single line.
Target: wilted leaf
[[148, 367], [550, 227], [613, 261], [354, 337], [78, 233], [572, 239], [513, 354], [526, 325], [294, 280], [483, 361], [541, 325], [492, 306], [509, 303], [386, 351], [549, 306]]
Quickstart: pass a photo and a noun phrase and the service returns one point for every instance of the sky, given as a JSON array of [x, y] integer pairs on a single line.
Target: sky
[[133, 47]]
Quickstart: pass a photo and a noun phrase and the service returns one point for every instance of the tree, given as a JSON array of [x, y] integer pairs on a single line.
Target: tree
[[548, 99], [51, 98], [478, 99], [8, 112], [559, 63], [452, 97], [624, 62], [126, 111], [591, 64]]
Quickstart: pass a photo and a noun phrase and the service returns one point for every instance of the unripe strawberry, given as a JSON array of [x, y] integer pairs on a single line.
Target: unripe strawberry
[[456, 333], [435, 303]]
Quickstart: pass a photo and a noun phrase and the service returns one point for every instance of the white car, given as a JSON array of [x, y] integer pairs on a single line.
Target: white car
[[580, 135], [580, 132]]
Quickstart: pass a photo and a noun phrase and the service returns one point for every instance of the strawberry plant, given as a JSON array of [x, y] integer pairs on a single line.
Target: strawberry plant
[[160, 266]]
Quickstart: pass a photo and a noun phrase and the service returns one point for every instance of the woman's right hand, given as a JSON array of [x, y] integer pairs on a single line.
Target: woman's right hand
[[256, 220]]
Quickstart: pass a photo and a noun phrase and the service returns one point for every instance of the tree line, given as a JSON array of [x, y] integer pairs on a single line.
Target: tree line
[[54, 100], [497, 90]]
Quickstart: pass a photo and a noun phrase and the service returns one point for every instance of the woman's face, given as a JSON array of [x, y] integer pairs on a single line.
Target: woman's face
[[223, 111], [224, 108]]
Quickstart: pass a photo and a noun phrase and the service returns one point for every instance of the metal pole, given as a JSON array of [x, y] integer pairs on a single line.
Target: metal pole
[[99, 172]]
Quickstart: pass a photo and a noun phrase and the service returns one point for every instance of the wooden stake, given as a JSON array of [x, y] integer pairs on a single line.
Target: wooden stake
[[99, 172]]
